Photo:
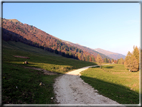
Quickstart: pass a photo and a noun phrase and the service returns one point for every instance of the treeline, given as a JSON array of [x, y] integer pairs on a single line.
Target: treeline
[[28, 34], [107, 60], [91, 51]]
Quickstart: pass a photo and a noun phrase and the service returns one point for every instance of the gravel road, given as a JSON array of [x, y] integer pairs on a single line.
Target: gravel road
[[71, 89]]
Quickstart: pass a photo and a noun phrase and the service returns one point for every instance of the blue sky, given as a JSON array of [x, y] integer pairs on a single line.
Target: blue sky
[[110, 26]]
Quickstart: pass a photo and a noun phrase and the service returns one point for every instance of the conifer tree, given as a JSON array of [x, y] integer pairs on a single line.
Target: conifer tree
[[136, 53], [134, 64], [127, 63], [112, 60], [131, 62], [121, 61], [105, 60], [99, 60]]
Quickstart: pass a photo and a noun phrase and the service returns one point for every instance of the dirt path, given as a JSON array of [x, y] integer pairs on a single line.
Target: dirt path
[[71, 89]]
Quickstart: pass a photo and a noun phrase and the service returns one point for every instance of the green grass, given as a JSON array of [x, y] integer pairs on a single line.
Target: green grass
[[27, 80], [115, 82], [23, 47], [39, 58]]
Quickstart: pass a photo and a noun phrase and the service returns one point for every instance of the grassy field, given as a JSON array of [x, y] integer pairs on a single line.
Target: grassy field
[[21, 85], [114, 82]]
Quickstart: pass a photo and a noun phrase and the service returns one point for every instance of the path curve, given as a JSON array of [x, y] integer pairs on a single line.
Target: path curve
[[71, 89]]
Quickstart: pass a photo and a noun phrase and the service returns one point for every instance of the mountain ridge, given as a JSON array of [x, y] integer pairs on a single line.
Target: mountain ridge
[[14, 20], [87, 49], [110, 54]]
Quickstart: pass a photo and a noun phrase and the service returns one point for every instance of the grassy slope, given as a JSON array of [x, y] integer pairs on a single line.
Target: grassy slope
[[27, 80], [115, 82]]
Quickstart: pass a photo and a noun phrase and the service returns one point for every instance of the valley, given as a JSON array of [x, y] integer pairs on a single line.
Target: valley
[[49, 58]]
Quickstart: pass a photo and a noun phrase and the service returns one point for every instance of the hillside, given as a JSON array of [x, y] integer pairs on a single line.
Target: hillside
[[14, 20], [110, 54], [20, 82], [91, 51], [13, 30]]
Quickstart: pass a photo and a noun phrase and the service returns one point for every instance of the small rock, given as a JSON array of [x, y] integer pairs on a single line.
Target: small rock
[[96, 90], [40, 84], [16, 87], [52, 98], [26, 62]]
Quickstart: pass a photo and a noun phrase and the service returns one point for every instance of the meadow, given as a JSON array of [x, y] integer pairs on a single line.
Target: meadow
[[115, 82], [20, 85]]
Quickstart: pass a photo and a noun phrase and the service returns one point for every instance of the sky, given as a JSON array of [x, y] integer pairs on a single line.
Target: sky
[[111, 26]]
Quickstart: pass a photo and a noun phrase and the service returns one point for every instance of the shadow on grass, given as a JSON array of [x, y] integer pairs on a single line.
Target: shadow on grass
[[119, 93], [96, 67], [109, 67]]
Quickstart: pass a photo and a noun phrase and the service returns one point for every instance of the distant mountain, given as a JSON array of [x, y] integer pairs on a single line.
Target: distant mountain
[[110, 54], [14, 30], [91, 51]]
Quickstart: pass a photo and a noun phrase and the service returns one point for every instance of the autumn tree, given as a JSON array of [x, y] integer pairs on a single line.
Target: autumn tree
[[112, 61], [131, 62], [134, 64], [99, 60], [90, 59], [136, 54], [93, 59], [79, 56], [127, 62], [115, 61], [106, 60], [120, 61]]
